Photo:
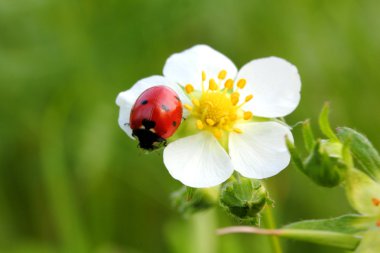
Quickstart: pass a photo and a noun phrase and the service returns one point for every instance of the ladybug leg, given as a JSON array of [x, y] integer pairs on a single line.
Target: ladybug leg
[[127, 124]]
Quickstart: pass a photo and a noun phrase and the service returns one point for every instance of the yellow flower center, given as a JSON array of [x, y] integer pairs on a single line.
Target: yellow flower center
[[217, 108]]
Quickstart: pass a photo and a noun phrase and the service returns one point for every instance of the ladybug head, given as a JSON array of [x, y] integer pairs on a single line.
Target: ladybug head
[[148, 139]]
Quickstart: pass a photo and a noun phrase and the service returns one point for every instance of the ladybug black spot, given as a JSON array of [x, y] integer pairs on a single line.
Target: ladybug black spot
[[165, 108], [144, 102], [174, 123], [148, 124]]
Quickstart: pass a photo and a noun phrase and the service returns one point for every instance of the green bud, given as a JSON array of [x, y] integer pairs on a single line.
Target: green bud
[[366, 155], [244, 199], [324, 165], [191, 200]]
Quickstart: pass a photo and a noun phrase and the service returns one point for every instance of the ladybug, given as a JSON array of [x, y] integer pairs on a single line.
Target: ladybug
[[155, 116]]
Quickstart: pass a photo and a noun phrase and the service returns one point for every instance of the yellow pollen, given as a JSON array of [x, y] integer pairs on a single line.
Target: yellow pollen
[[235, 98], [203, 76], [188, 107], [217, 133], [222, 74], [212, 85], [200, 124], [195, 102], [238, 130], [229, 84], [210, 122], [247, 115], [189, 88], [241, 83], [248, 98]]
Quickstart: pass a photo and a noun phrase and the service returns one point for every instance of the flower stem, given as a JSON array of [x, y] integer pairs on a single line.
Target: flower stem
[[270, 223]]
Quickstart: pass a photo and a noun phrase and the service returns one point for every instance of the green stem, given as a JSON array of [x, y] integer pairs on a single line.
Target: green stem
[[270, 223]]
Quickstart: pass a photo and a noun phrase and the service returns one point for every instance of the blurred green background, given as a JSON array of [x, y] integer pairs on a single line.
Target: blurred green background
[[72, 181]]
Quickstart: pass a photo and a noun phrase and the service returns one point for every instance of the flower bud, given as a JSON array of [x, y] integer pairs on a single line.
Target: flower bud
[[191, 200], [244, 199], [363, 151], [324, 165]]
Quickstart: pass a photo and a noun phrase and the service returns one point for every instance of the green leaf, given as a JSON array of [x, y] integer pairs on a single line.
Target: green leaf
[[308, 136], [328, 238], [324, 122], [370, 242], [348, 224], [324, 237], [363, 151], [362, 192]]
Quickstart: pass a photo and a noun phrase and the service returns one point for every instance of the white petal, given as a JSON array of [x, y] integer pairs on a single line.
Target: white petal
[[187, 66], [275, 85], [260, 151], [126, 99], [124, 113], [198, 161]]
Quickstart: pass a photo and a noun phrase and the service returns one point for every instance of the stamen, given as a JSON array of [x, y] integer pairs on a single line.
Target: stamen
[[195, 102], [238, 130], [210, 122], [203, 80], [241, 83], [247, 115], [188, 107], [189, 88], [222, 74], [217, 133], [235, 98], [376, 202], [248, 98], [229, 84], [212, 85], [233, 117], [200, 124]]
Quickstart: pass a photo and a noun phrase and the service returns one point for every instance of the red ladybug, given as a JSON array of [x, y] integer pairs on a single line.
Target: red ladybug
[[155, 116]]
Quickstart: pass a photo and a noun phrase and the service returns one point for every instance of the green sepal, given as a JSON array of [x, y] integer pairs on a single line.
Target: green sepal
[[308, 136], [363, 193], [295, 156], [366, 155], [244, 199], [324, 123], [189, 200]]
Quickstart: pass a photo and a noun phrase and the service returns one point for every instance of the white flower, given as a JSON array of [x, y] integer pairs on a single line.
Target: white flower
[[227, 137]]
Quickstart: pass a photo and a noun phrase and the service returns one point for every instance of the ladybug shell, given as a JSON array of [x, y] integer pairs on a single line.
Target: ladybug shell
[[157, 109]]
